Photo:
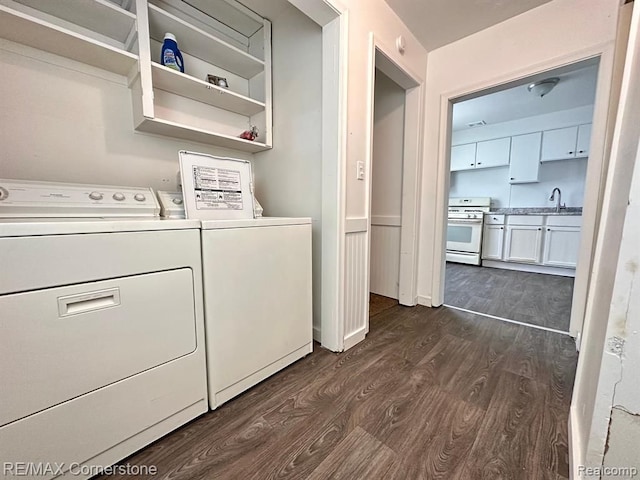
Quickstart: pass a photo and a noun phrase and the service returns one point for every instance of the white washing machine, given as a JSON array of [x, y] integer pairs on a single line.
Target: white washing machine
[[258, 300], [102, 325]]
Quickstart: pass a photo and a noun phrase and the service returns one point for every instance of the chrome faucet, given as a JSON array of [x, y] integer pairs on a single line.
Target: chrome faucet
[[552, 198]]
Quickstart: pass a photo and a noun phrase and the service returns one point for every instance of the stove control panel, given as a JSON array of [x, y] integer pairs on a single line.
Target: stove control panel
[[21, 198]]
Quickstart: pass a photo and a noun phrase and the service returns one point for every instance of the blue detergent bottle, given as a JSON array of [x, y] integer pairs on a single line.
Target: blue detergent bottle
[[171, 56]]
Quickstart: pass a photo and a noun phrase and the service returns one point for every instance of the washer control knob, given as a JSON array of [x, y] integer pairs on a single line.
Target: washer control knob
[[119, 197], [139, 197], [96, 196], [469, 215], [177, 201]]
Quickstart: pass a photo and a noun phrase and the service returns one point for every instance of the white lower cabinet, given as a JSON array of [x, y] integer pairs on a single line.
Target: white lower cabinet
[[523, 243], [562, 241], [537, 240], [493, 242]]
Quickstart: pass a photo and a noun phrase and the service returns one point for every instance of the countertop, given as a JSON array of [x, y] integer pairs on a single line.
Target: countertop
[[536, 211]]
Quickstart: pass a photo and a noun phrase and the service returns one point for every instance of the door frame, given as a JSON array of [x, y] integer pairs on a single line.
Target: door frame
[[596, 168], [381, 56], [333, 17]]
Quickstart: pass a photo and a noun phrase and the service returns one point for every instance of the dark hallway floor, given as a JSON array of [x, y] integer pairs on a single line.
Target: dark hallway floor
[[429, 394]]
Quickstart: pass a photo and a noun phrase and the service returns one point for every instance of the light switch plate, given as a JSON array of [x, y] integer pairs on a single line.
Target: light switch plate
[[360, 170]]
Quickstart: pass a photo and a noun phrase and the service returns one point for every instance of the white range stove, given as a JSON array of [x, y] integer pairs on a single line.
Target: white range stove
[[102, 346], [464, 229]]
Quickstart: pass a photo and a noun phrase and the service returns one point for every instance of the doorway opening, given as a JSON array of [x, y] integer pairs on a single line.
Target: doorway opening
[[392, 174], [518, 172], [386, 193]]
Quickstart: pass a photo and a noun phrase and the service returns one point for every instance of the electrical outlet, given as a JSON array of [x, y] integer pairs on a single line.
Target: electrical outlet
[[360, 170]]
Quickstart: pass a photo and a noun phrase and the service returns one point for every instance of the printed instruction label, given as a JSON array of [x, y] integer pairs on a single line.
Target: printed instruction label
[[217, 188]]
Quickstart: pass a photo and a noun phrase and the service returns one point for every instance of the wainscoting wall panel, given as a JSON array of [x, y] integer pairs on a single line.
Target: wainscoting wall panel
[[356, 295], [385, 260]]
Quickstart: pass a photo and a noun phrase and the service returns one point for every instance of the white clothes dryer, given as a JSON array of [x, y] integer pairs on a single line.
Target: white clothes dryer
[[102, 346]]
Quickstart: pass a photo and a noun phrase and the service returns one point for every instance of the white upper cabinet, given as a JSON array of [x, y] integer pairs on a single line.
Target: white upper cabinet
[[493, 153], [463, 157], [584, 140], [565, 143], [185, 105], [94, 32], [525, 158]]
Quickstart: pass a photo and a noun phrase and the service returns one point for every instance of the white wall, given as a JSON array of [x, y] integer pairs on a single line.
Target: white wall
[[568, 175], [386, 188], [63, 121], [618, 381], [516, 48], [372, 16], [535, 123], [289, 177]]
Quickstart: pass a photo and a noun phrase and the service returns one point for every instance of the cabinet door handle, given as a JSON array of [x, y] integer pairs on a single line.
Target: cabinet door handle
[[513, 178], [501, 228], [548, 229], [472, 164], [539, 228], [570, 153], [479, 163], [580, 151]]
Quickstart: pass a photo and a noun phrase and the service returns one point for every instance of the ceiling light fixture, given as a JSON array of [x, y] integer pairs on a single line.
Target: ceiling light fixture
[[542, 87]]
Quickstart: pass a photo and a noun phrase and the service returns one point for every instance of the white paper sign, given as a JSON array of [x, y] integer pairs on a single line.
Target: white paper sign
[[216, 187]]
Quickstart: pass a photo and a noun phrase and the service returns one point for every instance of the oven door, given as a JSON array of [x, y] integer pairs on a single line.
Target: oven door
[[464, 235]]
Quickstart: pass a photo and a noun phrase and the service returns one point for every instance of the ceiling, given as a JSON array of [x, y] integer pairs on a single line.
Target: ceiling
[[438, 22], [577, 88]]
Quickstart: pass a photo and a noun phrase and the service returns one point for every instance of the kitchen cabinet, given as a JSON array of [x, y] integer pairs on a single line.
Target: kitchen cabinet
[[562, 241], [493, 153], [492, 242], [490, 153], [538, 240], [525, 158], [185, 105], [566, 143], [584, 140], [463, 157], [523, 241]]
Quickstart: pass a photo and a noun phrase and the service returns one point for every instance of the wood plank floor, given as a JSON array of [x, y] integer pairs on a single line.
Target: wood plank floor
[[429, 394], [533, 298]]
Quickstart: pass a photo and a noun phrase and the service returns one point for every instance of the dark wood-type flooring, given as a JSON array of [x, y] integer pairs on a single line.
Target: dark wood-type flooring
[[429, 394], [532, 298], [379, 303]]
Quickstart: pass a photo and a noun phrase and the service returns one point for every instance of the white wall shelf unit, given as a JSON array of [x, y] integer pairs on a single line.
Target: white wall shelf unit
[[186, 86], [94, 32], [203, 45], [184, 105], [188, 132]]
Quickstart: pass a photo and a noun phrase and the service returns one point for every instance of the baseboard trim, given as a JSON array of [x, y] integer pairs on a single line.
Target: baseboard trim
[[525, 267], [424, 300], [355, 338]]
